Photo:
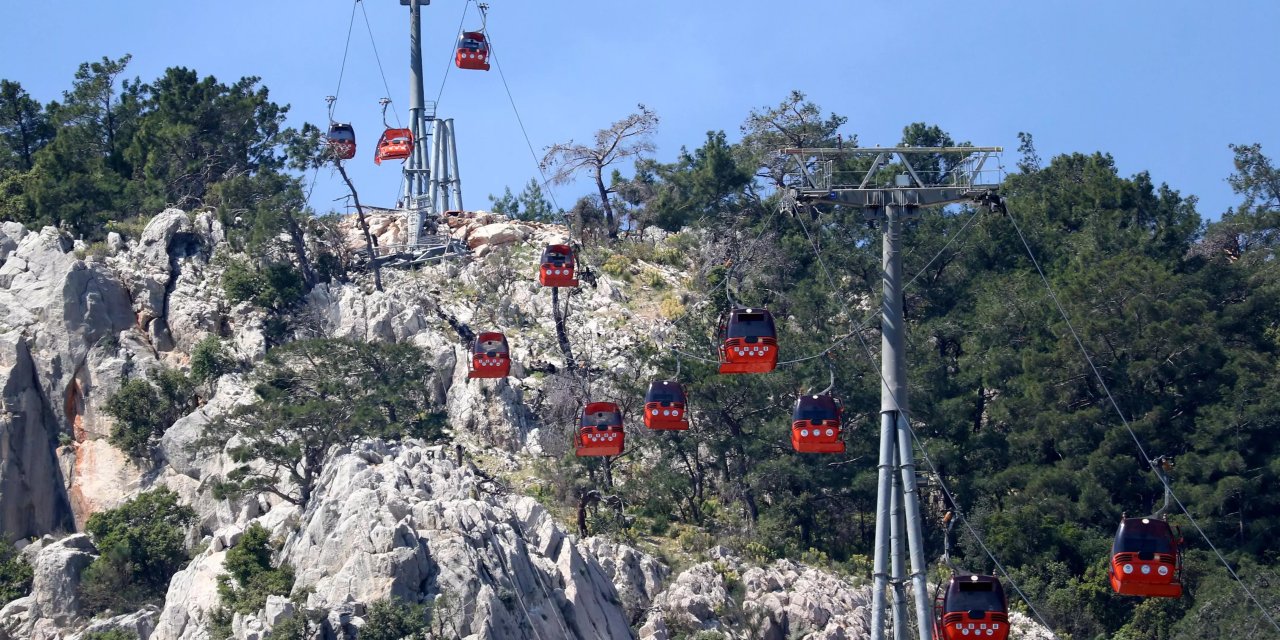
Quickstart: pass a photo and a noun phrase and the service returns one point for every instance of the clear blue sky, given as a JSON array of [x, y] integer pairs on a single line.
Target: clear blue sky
[[1162, 85]]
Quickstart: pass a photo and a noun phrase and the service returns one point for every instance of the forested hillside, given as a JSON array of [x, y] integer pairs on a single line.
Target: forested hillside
[[1179, 310]]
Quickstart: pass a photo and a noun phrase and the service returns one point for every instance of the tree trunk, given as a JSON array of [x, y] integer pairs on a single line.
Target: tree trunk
[[562, 334], [604, 203], [298, 238], [364, 226], [695, 480], [589, 498], [748, 496]]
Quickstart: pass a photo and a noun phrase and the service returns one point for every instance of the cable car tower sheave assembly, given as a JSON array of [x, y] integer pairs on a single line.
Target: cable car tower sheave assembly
[[431, 184], [889, 191]]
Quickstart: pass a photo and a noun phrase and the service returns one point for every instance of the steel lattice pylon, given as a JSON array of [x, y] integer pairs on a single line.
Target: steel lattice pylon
[[431, 184], [890, 185]]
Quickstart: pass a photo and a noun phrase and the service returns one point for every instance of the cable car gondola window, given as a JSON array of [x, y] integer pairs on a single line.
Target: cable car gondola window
[[746, 325], [816, 412], [1136, 536], [665, 393], [975, 596]]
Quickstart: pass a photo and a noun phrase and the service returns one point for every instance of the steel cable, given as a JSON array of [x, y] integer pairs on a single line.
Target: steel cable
[[1125, 421]]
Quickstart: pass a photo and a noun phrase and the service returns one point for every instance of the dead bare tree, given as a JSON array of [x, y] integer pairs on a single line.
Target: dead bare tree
[[628, 137], [562, 332], [364, 226]]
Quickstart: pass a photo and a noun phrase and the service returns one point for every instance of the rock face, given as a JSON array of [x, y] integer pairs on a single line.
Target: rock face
[[58, 311], [54, 601], [403, 520], [73, 328], [782, 600]]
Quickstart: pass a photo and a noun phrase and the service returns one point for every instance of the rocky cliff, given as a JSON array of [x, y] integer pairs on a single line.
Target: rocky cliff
[[388, 519]]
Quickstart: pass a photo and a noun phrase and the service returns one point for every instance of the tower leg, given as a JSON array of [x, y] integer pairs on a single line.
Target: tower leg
[[898, 556]]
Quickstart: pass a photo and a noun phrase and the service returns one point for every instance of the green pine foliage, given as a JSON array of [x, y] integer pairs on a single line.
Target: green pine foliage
[[113, 634], [141, 546], [530, 205], [275, 287], [15, 574], [392, 619], [210, 360], [1179, 316], [144, 409], [314, 394], [250, 576]]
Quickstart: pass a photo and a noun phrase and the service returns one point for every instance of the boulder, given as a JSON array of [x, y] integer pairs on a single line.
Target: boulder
[[55, 584], [495, 234]]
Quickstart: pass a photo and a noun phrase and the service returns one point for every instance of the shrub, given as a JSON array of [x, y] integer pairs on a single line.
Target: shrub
[[144, 409], [113, 634], [250, 578], [275, 288], [670, 256], [618, 266], [394, 619], [695, 540], [670, 307], [210, 361], [142, 547], [15, 573], [239, 282], [655, 279]]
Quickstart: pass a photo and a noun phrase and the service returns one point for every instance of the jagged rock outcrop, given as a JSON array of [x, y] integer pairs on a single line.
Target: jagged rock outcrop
[[168, 274], [65, 314], [139, 624], [386, 520], [782, 600], [54, 601], [73, 327], [404, 520]]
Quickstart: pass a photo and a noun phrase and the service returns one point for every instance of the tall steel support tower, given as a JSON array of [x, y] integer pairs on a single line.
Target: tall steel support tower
[[890, 186], [431, 170]]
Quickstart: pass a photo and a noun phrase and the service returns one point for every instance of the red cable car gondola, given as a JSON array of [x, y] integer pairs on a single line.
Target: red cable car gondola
[[395, 144], [557, 266], [341, 140], [1145, 559], [600, 431], [490, 357], [815, 424], [473, 51], [972, 606], [664, 406], [748, 342]]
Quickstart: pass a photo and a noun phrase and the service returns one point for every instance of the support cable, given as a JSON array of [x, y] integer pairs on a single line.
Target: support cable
[[444, 77], [861, 326], [345, 50], [533, 154], [377, 58], [1125, 421], [924, 455]]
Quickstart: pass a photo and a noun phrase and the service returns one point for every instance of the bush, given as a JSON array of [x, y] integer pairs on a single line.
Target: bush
[[670, 307], [618, 266], [142, 547], [15, 574], [274, 288], [210, 361], [113, 634], [144, 409], [250, 578], [394, 619]]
